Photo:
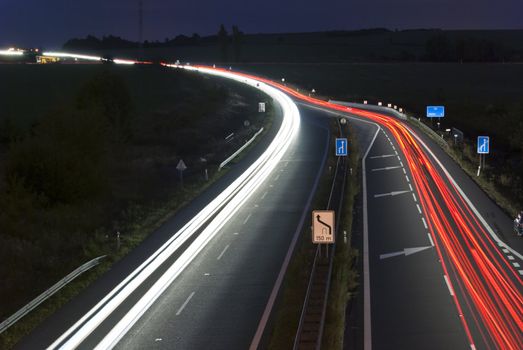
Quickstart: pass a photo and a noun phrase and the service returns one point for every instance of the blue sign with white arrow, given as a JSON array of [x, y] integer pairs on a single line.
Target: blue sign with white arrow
[[483, 145], [341, 147], [435, 111]]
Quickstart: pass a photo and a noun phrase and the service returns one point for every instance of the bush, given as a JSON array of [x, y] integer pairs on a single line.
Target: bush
[[63, 160], [108, 95]]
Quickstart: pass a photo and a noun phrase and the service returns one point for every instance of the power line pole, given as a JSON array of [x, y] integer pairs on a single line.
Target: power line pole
[[140, 22]]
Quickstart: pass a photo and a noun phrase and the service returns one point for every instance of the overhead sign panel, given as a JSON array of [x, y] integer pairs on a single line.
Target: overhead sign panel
[[435, 111], [323, 226]]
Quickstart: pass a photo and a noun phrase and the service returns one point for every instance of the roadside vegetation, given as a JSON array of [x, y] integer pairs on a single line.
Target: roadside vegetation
[[344, 280], [94, 154], [286, 315]]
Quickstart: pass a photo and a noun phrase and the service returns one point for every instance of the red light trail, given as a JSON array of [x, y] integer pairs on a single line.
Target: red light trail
[[490, 288]]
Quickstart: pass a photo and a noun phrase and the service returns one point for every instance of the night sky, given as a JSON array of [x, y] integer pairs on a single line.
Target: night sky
[[50, 23]]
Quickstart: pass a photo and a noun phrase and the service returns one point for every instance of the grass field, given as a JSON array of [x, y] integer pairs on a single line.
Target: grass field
[[172, 115]]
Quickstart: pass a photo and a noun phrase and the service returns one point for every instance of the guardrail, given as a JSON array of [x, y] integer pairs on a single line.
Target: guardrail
[[48, 293], [369, 107], [226, 161]]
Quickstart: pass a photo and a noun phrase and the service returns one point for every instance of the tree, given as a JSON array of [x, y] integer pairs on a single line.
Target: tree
[[107, 94], [237, 38], [223, 39]]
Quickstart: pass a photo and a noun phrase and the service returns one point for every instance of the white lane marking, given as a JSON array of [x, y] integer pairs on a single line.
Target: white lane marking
[[510, 257], [424, 223], [430, 239], [223, 252], [263, 196], [515, 264], [404, 171], [383, 156], [394, 193], [410, 186], [505, 250], [158, 339], [386, 168], [247, 218], [184, 304], [414, 196], [419, 208], [394, 148], [448, 285], [397, 153], [407, 177], [206, 274], [520, 272], [277, 177], [236, 233], [462, 193], [401, 163]]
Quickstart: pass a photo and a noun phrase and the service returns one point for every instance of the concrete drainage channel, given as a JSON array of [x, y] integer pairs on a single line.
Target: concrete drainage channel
[[312, 319]]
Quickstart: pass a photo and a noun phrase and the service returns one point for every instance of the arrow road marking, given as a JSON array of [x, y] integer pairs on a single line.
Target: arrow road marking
[[387, 168], [406, 252], [395, 193]]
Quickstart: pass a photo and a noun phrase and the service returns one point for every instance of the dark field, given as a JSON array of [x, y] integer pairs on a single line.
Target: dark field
[[88, 150]]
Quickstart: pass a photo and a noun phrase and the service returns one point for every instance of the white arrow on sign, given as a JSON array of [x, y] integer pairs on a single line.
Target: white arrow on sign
[[406, 252], [395, 193], [181, 165]]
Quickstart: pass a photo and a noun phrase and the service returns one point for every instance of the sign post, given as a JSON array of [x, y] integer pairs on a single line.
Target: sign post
[[181, 168], [483, 147]]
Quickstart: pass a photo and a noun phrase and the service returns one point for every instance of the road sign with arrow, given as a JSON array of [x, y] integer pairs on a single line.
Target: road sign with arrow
[[323, 226]]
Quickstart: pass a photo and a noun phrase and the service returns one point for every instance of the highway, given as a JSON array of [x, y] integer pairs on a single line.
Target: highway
[[440, 268]]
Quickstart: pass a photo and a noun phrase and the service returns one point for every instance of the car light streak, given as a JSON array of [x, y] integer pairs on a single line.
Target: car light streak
[[480, 276], [72, 55], [491, 288], [225, 204]]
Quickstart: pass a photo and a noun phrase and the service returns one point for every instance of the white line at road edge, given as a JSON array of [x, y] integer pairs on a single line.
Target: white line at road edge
[[234, 195], [469, 202], [367, 334]]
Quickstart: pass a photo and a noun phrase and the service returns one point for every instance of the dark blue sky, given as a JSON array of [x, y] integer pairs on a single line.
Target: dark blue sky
[[52, 22]]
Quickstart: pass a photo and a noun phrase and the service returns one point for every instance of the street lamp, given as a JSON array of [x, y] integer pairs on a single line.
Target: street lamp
[[455, 139]]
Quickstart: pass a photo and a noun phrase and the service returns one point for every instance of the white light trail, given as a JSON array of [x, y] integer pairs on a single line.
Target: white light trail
[[227, 204], [11, 52], [72, 55]]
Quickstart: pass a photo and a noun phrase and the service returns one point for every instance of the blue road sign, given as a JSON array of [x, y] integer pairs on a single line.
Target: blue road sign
[[341, 147], [435, 111], [483, 145]]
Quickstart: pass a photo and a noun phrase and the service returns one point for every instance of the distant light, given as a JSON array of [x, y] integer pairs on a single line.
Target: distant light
[[120, 61], [72, 55], [11, 52]]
